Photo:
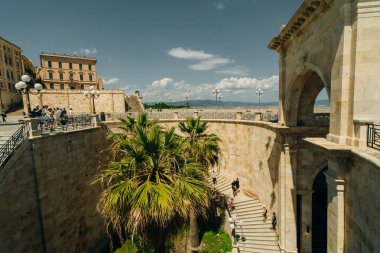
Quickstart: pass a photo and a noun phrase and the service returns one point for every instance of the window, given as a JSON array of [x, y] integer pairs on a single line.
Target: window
[[6, 60], [81, 77], [52, 86], [71, 76], [82, 87], [1, 84], [90, 77], [60, 65], [0, 73], [60, 76], [89, 67], [4, 47], [8, 76], [50, 75], [18, 65], [10, 61], [80, 66], [62, 86], [49, 64], [12, 76], [70, 65]]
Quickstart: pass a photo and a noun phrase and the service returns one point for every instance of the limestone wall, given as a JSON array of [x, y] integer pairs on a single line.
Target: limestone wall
[[251, 154], [109, 101], [66, 210], [362, 206]]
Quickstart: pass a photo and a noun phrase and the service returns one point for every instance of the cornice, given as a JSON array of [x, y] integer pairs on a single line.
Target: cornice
[[308, 10]]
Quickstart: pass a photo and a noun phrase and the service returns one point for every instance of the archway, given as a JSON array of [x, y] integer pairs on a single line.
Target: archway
[[301, 98], [319, 213]]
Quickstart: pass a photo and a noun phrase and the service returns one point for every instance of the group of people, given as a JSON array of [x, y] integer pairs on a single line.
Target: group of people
[[56, 113], [265, 217]]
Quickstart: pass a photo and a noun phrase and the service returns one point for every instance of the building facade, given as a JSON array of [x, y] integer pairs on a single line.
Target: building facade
[[10, 73], [66, 72]]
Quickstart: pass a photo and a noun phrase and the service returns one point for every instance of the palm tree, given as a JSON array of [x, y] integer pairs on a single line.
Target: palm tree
[[152, 186], [204, 148]]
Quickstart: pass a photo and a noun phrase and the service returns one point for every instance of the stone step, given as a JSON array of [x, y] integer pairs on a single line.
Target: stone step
[[248, 226], [246, 209], [259, 247], [249, 202], [250, 241], [255, 216]]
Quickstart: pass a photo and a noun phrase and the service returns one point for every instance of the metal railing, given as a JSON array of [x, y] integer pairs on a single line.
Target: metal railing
[[373, 136], [250, 116], [48, 125], [7, 149]]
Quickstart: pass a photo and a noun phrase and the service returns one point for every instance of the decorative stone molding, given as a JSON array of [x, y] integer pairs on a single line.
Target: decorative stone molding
[[308, 10]]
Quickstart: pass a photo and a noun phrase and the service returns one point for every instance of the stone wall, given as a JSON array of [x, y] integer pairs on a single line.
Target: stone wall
[[63, 213], [250, 153], [109, 101], [362, 206]]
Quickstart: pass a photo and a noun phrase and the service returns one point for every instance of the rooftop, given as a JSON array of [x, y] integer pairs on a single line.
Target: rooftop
[[1, 38], [67, 56]]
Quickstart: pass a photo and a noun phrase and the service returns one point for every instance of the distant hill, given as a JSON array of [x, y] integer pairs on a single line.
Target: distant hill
[[211, 103]]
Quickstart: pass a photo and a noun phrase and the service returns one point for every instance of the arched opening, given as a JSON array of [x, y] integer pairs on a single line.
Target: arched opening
[[301, 100], [321, 112], [319, 214]]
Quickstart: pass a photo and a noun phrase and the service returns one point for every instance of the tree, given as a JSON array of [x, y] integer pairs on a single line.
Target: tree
[[149, 190], [204, 148]]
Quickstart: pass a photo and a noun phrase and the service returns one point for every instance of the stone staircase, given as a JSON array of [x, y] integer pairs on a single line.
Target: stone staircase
[[134, 103], [260, 238]]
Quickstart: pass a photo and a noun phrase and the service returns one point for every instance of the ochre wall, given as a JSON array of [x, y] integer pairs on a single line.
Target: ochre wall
[[109, 101], [64, 165]]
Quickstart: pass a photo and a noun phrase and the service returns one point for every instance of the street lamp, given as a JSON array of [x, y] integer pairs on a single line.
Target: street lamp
[[171, 99], [259, 92], [220, 98], [216, 92], [233, 220], [92, 95], [23, 87], [186, 97]]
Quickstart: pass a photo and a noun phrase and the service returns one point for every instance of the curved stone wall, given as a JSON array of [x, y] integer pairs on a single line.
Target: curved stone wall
[[249, 152]]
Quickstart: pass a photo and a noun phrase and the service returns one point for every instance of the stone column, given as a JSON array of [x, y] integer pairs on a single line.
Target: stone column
[[239, 115], [335, 214], [282, 88], [306, 220], [287, 228]]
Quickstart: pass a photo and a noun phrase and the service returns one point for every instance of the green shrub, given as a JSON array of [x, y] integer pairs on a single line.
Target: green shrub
[[216, 242]]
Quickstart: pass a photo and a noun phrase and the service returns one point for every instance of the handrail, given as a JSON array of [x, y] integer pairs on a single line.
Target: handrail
[[373, 136], [7, 149]]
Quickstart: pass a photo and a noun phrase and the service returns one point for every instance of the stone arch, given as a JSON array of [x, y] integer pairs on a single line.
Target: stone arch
[[301, 95]]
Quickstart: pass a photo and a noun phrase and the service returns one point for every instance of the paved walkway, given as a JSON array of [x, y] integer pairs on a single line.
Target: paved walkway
[[260, 238]]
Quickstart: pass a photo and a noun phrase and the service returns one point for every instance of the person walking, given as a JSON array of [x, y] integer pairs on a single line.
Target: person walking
[[265, 213], [234, 189], [4, 116], [213, 176], [274, 221], [237, 183]]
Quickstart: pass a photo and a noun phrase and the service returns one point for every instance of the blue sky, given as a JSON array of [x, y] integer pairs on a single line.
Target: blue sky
[[164, 48]]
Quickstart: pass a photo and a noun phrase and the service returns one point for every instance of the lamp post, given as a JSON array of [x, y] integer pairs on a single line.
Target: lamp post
[[220, 98], [216, 92], [259, 92], [92, 95], [186, 97], [23, 87], [233, 220], [171, 99]]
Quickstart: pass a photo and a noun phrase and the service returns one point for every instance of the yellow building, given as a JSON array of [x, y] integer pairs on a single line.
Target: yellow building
[[63, 72], [10, 73]]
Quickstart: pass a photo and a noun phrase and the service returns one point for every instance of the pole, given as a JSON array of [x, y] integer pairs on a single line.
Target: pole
[[93, 104]]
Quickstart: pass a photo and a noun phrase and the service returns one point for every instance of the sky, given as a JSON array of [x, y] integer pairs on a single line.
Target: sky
[[163, 48]]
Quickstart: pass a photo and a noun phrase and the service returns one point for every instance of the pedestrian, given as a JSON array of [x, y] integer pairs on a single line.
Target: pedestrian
[[230, 204], [237, 183], [274, 221], [234, 189], [265, 213], [4, 116], [213, 176]]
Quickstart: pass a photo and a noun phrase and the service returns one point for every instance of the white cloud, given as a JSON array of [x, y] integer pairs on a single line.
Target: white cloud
[[210, 64], [188, 54], [207, 61], [237, 71], [244, 83], [88, 51], [112, 80], [163, 82], [220, 6], [232, 88]]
